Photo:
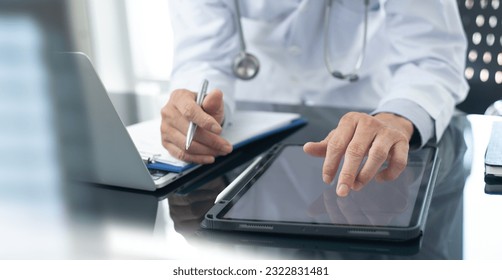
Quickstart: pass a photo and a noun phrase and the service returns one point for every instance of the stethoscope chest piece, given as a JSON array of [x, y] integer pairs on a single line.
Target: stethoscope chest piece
[[245, 66]]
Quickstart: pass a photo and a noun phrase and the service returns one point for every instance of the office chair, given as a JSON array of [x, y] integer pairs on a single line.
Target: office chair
[[482, 20]]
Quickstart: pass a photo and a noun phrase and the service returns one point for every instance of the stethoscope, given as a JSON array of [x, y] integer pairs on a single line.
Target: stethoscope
[[246, 66]]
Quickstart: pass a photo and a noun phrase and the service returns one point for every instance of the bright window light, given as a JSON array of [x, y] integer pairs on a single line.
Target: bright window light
[[151, 39]]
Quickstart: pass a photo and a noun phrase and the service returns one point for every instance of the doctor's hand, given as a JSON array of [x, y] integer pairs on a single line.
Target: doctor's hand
[[207, 142], [383, 137]]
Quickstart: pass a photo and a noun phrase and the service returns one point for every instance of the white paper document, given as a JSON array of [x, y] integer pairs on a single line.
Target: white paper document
[[245, 127]]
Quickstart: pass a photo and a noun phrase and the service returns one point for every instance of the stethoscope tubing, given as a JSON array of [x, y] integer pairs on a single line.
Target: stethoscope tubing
[[246, 66]]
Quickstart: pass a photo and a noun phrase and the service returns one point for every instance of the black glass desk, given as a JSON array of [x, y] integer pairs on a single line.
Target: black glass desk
[[105, 222]]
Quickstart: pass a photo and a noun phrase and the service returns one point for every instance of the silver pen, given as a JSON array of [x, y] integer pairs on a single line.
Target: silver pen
[[192, 127]]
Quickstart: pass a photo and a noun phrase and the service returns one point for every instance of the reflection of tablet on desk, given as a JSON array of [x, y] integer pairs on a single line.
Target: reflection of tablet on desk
[[284, 193], [308, 244]]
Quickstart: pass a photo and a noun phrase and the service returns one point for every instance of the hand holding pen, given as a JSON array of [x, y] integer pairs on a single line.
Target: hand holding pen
[[187, 111], [192, 126]]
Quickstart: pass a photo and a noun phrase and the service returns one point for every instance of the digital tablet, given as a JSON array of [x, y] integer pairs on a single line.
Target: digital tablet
[[285, 194]]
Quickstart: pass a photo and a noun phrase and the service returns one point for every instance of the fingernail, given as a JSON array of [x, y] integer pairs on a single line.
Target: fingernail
[[227, 148], [327, 179], [215, 128], [342, 190]]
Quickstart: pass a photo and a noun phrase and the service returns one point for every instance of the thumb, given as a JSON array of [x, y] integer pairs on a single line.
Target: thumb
[[213, 105]]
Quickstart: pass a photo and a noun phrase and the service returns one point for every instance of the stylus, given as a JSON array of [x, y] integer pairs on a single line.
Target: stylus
[[239, 178]]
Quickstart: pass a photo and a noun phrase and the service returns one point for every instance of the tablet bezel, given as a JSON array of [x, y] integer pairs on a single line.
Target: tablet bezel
[[214, 218]]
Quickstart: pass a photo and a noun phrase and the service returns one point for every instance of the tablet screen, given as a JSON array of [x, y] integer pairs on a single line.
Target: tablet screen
[[290, 189]]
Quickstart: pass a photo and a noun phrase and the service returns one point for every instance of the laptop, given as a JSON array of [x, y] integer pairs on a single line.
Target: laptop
[[113, 158]]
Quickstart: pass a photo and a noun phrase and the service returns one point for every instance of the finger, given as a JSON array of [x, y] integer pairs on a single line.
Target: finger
[[354, 155], [178, 138], [213, 105], [213, 141], [337, 144], [168, 133], [318, 149], [172, 117], [183, 155], [398, 159], [377, 155], [206, 138], [189, 109]]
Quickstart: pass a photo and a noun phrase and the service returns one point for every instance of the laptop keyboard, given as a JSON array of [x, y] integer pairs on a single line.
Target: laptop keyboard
[[157, 174]]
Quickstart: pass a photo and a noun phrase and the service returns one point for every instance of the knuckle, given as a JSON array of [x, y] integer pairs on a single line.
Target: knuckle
[[388, 134], [353, 118], [349, 117], [336, 147], [167, 111], [175, 119], [187, 111], [372, 122], [329, 168], [400, 164], [368, 120], [347, 177], [164, 112], [378, 154], [356, 150], [206, 120], [177, 93]]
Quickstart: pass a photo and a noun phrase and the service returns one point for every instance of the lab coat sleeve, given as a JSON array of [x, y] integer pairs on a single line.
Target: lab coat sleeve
[[427, 58], [205, 42]]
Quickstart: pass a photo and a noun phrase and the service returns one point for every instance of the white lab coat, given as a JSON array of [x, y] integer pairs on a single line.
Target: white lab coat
[[415, 52]]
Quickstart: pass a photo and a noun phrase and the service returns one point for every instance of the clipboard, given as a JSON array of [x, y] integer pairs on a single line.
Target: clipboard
[[245, 127]]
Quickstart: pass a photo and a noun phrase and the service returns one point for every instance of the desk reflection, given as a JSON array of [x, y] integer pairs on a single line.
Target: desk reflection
[[116, 223], [442, 238]]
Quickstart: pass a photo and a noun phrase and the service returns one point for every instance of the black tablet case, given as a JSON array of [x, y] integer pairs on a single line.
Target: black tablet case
[[212, 221]]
